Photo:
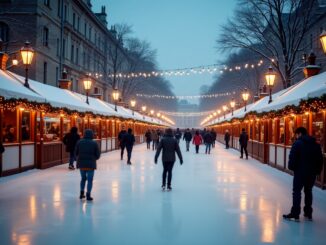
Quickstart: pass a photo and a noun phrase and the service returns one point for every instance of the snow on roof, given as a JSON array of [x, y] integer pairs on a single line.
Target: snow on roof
[[10, 87], [311, 87]]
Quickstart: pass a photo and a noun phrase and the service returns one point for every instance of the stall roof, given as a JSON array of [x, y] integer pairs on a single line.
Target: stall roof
[[311, 87]]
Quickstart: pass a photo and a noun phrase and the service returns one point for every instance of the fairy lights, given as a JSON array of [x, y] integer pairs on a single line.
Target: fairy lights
[[174, 97]]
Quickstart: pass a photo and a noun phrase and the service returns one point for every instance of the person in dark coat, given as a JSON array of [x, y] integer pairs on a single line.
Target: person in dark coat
[[129, 140], [178, 135], [227, 139], [243, 140], [148, 137], [170, 146], [187, 136], [121, 143], [70, 140], [214, 137], [306, 162], [87, 152], [208, 139]]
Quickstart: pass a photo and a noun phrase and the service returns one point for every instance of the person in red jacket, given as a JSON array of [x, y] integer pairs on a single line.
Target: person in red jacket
[[197, 141]]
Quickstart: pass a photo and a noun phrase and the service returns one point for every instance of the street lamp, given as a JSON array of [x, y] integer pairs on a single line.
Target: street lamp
[[245, 97], [225, 108], [322, 39], [115, 95], [158, 115], [152, 113], [270, 79], [27, 53], [143, 108], [133, 104], [232, 104], [87, 86], [218, 113]]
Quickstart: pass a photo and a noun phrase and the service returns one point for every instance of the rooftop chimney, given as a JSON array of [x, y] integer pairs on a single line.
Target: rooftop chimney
[[311, 69], [102, 16]]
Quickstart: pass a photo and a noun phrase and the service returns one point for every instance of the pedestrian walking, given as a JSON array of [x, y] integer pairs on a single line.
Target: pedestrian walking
[[87, 153], [227, 139], [197, 141], [187, 136], [178, 135], [208, 139], [148, 136], [214, 137], [70, 140], [129, 141], [170, 146], [306, 162], [243, 140], [121, 142], [154, 139]]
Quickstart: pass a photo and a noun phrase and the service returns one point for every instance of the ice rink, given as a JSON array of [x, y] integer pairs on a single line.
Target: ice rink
[[216, 199]]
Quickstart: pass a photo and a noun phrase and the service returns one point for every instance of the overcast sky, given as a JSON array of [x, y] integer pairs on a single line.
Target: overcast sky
[[182, 31]]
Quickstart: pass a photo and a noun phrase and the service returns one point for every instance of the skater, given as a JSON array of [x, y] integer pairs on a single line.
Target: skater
[[197, 141], [306, 162], [87, 152], [243, 140], [120, 139], [187, 136], [154, 139], [214, 137], [70, 140], [148, 137], [227, 139], [129, 140], [208, 139], [170, 146], [178, 135]]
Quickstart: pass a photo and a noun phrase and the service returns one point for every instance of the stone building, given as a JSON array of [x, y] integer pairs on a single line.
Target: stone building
[[66, 35]]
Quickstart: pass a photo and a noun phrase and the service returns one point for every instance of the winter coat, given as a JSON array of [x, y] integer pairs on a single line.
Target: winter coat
[[227, 137], [187, 136], [197, 140], [87, 151], [129, 140], [120, 137], [155, 136], [214, 135], [70, 140], [170, 146], [306, 158], [178, 135], [148, 136], [208, 138], [243, 140]]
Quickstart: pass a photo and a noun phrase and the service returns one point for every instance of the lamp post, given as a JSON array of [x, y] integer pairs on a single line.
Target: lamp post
[[87, 86], [322, 39], [232, 104], [225, 108], [270, 79], [245, 97], [115, 95], [133, 104], [143, 108], [219, 113], [27, 53]]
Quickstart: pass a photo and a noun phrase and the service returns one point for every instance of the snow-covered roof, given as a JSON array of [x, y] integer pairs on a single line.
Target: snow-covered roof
[[314, 86]]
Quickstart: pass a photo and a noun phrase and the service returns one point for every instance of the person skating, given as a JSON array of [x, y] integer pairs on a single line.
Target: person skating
[[227, 139], [121, 143], [148, 136], [170, 146], [155, 139], [87, 153], [178, 135], [70, 140], [214, 137], [243, 140], [208, 139], [129, 140], [306, 162], [187, 136], [197, 141]]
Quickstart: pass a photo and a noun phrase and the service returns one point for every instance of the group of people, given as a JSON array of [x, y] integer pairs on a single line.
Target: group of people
[[153, 136]]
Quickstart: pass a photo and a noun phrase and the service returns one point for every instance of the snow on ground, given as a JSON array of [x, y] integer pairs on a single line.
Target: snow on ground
[[216, 199]]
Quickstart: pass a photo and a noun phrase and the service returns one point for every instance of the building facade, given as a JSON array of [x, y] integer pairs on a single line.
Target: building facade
[[66, 35]]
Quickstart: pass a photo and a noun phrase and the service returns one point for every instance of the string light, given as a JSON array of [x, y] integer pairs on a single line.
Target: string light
[[173, 97]]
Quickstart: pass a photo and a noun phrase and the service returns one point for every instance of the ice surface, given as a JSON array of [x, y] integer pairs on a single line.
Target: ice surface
[[216, 199]]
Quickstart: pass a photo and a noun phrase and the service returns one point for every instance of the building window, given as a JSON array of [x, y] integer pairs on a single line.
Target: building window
[[65, 12], [64, 48], [56, 75], [90, 33], [77, 56], [58, 46], [78, 22], [45, 72], [74, 20], [47, 3], [45, 36], [85, 29], [4, 32], [72, 53]]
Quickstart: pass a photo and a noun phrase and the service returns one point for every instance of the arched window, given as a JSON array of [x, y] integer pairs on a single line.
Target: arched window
[[4, 32]]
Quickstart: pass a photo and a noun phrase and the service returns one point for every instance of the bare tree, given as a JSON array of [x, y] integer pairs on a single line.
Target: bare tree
[[274, 29]]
